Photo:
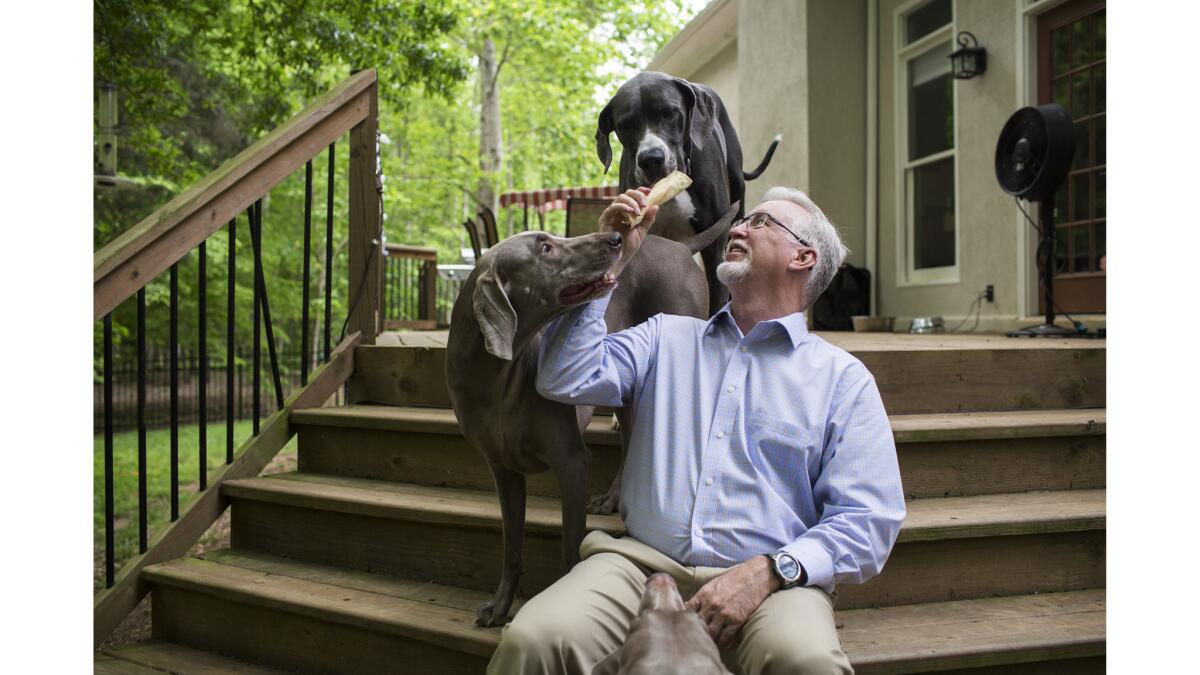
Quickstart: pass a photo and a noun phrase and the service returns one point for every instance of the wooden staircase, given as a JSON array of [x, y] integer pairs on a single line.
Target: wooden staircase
[[373, 555]]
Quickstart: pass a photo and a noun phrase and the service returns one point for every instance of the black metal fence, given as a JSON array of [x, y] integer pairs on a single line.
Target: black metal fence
[[158, 389]]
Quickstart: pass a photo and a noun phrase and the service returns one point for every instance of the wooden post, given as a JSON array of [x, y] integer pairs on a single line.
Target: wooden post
[[429, 290], [366, 226]]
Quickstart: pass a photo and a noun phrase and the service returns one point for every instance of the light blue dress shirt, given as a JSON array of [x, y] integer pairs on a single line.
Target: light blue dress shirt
[[741, 444]]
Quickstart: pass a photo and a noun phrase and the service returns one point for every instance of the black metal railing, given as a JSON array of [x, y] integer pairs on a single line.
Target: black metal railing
[[172, 386], [197, 367], [160, 245]]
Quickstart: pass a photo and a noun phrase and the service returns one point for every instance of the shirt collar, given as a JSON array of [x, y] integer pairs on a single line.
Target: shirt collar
[[794, 324]]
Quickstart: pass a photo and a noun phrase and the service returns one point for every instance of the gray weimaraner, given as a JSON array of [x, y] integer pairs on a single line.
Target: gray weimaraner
[[665, 124], [516, 288], [665, 639]]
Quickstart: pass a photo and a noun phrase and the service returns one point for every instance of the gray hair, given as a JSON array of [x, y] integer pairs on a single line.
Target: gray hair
[[820, 234]]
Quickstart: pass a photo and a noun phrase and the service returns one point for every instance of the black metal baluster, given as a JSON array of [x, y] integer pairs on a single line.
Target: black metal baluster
[[202, 337], [109, 538], [229, 334], [256, 240], [143, 535], [257, 352], [308, 192], [174, 366], [329, 254]]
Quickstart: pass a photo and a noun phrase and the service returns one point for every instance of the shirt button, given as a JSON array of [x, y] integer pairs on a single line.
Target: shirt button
[[730, 389], [708, 481], [699, 532], [744, 349], [720, 434]]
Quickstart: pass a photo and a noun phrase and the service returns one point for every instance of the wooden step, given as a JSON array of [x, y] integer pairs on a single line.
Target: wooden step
[[915, 373], [158, 656], [941, 454], [326, 619], [951, 548]]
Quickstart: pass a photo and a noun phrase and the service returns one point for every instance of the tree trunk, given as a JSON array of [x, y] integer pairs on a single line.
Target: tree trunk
[[489, 123]]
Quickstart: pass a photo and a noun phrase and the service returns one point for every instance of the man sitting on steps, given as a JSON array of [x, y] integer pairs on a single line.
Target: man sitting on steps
[[761, 471]]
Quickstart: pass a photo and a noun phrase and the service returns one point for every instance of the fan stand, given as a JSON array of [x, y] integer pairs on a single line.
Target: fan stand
[[1048, 329]]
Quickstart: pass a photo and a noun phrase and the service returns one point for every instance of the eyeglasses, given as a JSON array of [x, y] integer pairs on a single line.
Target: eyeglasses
[[761, 219]]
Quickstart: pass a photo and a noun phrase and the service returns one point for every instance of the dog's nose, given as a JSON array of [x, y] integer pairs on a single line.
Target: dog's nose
[[614, 240], [651, 160]]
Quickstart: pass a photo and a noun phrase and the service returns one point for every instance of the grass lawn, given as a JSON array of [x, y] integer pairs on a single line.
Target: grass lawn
[[158, 480]]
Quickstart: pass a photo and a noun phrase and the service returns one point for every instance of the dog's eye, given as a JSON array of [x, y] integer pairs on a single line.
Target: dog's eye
[[546, 248]]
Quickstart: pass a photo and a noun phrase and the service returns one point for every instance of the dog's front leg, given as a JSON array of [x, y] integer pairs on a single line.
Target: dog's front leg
[[572, 471], [712, 256], [510, 488], [610, 502]]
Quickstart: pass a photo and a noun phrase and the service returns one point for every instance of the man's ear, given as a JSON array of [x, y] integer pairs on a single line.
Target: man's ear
[[495, 314], [701, 109], [804, 258], [604, 127]]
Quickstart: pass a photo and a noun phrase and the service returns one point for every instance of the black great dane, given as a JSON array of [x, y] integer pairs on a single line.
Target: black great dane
[[666, 124]]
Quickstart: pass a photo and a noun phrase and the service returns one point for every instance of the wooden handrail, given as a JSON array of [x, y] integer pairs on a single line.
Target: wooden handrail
[[412, 252], [147, 249], [112, 605]]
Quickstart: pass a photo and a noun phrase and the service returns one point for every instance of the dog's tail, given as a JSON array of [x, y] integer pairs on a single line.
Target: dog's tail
[[703, 240], [751, 175]]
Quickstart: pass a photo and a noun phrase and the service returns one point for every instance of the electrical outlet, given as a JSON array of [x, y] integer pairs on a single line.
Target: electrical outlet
[[990, 293]]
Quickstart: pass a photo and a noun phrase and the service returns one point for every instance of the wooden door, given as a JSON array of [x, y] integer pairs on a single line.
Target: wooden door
[[1071, 73]]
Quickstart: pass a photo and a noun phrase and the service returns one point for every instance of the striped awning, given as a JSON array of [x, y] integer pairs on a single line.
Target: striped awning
[[550, 199]]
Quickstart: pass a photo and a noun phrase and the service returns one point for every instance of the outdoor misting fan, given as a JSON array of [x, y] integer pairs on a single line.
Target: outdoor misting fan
[[1033, 157]]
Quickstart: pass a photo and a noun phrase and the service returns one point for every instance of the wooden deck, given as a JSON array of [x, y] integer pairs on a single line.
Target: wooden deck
[[851, 342]]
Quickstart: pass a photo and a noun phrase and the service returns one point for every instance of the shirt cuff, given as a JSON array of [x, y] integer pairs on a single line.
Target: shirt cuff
[[816, 562]]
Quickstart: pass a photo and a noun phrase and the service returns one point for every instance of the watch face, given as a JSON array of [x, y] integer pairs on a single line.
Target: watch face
[[788, 567]]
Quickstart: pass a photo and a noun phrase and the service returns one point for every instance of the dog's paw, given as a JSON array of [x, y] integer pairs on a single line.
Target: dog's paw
[[604, 505], [486, 616]]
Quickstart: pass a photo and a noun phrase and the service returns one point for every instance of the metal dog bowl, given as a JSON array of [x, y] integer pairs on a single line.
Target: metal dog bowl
[[927, 324], [873, 324]]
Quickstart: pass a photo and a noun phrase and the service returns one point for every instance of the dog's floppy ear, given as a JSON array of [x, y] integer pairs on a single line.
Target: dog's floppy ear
[[495, 314], [604, 127], [701, 111]]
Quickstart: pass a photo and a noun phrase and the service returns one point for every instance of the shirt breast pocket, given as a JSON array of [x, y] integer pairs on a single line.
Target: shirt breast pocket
[[781, 451]]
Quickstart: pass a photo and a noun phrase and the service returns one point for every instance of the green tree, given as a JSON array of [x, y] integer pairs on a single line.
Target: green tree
[[199, 81]]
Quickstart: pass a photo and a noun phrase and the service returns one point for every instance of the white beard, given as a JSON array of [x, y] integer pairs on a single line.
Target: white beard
[[736, 271]]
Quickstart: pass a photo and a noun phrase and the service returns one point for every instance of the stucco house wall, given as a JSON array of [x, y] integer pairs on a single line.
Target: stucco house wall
[[802, 68]]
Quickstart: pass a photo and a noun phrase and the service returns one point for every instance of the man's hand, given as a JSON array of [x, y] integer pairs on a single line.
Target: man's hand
[[614, 220], [726, 603]]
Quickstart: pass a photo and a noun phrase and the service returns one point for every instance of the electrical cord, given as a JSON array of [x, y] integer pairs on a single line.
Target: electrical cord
[[977, 307]]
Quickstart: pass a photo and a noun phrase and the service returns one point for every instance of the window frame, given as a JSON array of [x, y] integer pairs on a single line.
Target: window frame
[[905, 245]]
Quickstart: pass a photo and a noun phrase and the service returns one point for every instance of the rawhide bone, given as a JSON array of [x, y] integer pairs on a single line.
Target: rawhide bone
[[663, 192]]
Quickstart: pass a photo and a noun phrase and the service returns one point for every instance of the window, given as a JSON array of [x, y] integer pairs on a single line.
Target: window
[[926, 139]]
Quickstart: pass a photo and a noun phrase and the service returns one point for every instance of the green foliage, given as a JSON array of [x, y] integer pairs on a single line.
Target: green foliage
[[200, 80], [158, 481]]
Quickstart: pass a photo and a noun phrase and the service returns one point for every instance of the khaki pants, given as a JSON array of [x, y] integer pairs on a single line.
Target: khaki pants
[[584, 617]]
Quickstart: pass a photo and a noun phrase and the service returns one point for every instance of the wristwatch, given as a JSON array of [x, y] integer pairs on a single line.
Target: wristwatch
[[787, 569]]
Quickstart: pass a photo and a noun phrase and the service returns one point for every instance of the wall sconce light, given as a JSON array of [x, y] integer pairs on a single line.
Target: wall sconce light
[[967, 62]]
